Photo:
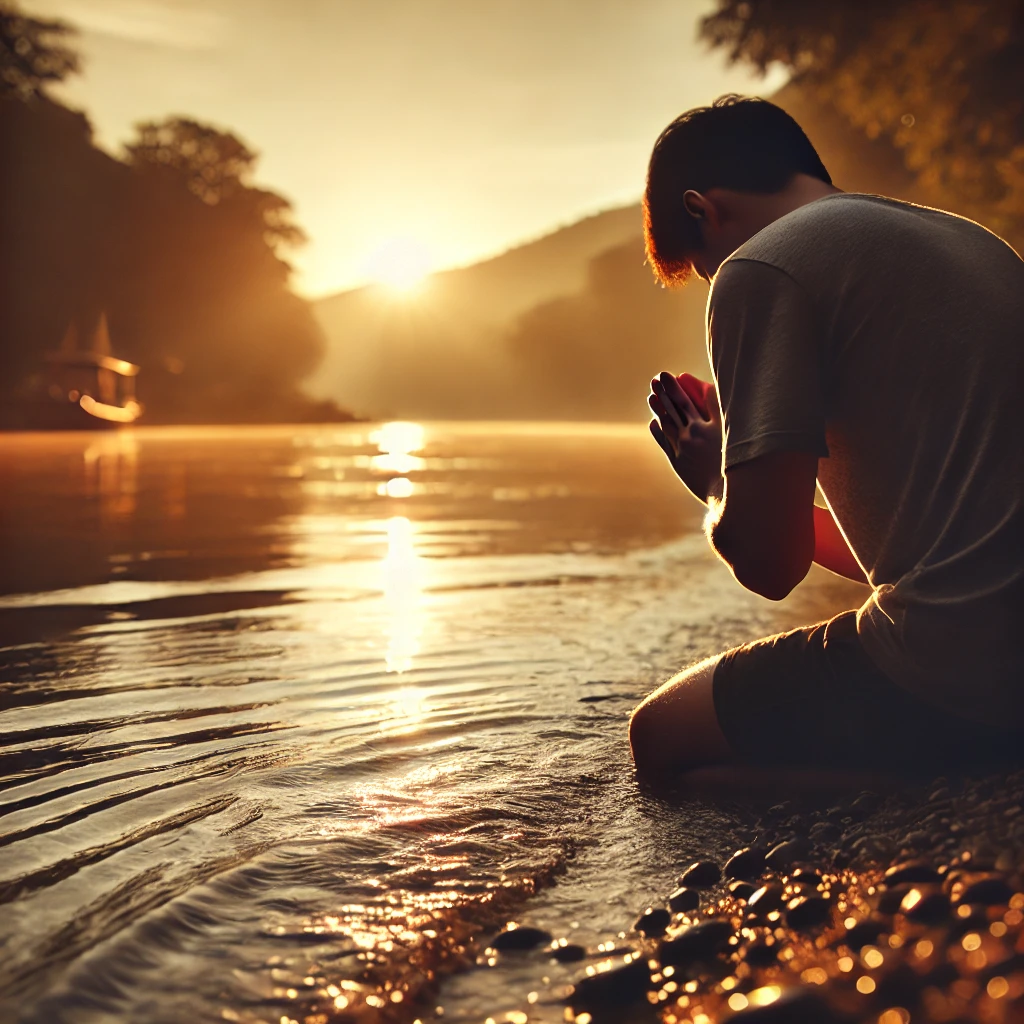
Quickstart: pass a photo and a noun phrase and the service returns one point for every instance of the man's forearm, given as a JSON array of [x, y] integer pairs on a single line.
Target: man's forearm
[[754, 568], [762, 527], [831, 550]]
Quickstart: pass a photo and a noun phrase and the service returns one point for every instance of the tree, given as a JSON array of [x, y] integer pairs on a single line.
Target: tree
[[193, 291], [217, 168], [33, 53], [943, 80]]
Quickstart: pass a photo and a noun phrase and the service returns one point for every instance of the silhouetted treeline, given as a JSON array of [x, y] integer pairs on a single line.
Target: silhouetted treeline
[[190, 277]]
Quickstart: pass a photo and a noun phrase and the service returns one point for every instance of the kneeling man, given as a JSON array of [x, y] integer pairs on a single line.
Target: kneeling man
[[871, 347]]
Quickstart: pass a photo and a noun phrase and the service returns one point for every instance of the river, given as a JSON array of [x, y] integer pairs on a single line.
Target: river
[[292, 717]]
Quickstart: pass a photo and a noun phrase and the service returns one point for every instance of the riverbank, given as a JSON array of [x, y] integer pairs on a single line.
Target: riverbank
[[886, 907]]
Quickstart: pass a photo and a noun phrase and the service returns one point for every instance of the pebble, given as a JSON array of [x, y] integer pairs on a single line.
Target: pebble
[[520, 938], [617, 987], [698, 942], [805, 877], [741, 890], [841, 858], [683, 900], [918, 840], [863, 933], [568, 954], [866, 803], [653, 922], [825, 832], [924, 906], [808, 912], [702, 874], [746, 865], [873, 847], [762, 952], [890, 899], [988, 892], [766, 899], [787, 853], [911, 871]]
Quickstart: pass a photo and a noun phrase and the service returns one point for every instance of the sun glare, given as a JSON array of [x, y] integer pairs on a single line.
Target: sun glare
[[398, 437], [401, 264]]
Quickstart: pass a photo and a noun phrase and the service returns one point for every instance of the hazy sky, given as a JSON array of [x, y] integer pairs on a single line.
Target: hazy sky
[[445, 130]]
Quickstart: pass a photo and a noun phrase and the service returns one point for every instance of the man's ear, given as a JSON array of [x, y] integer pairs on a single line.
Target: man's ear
[[695, 204]]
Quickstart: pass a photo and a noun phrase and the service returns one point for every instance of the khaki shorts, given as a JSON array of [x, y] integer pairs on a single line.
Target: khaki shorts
[[813, 697]]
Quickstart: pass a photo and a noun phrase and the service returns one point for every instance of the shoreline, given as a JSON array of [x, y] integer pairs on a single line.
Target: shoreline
[[882, 907]]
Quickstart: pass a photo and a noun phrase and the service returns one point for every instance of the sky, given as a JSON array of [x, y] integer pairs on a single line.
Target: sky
[[409, 134]]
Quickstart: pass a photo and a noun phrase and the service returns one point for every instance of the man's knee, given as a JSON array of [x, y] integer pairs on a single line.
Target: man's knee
[[676, 727], [657, 738], [643, 731]]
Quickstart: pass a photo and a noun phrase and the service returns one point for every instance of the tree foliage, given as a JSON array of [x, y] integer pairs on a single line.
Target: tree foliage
[[32, 53], [175, 245], [213, 165], [942, 79], [216, 167]]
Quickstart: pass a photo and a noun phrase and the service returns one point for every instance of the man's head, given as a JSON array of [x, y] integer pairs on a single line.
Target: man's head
[[712, 180]]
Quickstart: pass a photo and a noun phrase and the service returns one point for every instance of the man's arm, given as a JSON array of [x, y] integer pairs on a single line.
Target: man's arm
[[760, 515], [768, 529], [763, 527], [762, 520]]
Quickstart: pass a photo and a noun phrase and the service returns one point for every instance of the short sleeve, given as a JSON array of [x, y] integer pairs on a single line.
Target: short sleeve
[[765, 346]]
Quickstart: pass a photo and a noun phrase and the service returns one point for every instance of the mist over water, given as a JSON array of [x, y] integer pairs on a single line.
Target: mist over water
[[293, 717]]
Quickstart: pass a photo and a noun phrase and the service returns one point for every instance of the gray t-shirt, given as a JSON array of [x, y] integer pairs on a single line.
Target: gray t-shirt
[[886, 338]]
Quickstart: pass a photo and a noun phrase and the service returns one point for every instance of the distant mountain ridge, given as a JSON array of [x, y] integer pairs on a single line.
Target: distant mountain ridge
[[512, 281], [568, 326]]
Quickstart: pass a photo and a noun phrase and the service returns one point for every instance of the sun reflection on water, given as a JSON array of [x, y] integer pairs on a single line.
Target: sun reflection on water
[[403, 596], [397, 441], [396, 462], [398, 437], [397, 487]]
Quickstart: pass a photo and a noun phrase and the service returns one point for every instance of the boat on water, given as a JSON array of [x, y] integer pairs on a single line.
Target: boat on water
[[82, 387]]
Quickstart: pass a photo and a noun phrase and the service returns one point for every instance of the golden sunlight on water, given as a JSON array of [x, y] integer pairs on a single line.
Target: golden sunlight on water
[[111, 465], [397, 441], [403, 594], [298, 714]]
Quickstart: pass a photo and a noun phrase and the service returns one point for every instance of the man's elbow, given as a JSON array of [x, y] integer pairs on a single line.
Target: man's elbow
[[771, 582], [770, 570]]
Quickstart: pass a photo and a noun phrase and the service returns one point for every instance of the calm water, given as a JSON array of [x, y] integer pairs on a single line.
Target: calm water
[[290, 717]]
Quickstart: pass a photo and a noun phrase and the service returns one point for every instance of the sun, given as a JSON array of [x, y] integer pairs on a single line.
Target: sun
[[401, 264]]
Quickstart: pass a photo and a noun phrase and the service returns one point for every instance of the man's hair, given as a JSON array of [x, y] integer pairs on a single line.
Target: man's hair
[[740, 143]]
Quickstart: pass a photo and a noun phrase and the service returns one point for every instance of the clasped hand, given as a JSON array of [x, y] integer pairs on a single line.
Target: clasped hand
[[688, 427]]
